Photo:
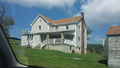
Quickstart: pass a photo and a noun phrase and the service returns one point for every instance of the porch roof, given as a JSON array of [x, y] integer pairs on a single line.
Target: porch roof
[[56, 32]]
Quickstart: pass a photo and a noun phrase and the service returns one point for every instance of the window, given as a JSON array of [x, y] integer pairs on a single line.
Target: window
[[79, 48], [39, 27], [79, 27], [67, 27], [40, 20], [56, 27], [78, 38], [70, 47], [84, 29]]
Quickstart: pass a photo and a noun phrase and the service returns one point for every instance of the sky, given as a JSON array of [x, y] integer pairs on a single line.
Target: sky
[[99, 14]]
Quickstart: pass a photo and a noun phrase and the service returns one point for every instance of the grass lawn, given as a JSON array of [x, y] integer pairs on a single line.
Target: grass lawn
[[57, 59]]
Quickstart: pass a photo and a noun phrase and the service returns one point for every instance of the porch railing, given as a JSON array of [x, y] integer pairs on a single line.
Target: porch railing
[[68, 41], [43, 43], [35, 41], [57, 41]]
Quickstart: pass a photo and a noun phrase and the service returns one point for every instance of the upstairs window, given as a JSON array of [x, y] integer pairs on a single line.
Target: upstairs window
[[84, 29], [67, 27], [79, 27], [79, 38], [39, 27], [56, 27]]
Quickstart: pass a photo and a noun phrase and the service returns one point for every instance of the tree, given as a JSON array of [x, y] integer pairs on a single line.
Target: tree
[[88, 33], [5, 20]]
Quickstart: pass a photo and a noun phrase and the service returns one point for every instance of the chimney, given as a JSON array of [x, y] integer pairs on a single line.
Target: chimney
[[82, 33], [82, 14]]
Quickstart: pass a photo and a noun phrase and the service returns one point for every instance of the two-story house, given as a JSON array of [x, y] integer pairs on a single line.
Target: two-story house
[[67, 35]]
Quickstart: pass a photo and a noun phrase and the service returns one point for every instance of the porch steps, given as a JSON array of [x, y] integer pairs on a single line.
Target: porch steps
[[43, 44]]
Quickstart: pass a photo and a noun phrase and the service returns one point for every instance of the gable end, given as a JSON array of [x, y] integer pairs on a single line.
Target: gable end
[[37, 19]]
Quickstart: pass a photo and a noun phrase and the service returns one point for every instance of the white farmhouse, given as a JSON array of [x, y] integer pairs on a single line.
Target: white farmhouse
[[66, 35]]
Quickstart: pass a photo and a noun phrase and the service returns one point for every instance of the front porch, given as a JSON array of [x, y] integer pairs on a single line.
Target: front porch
[[57, 38]]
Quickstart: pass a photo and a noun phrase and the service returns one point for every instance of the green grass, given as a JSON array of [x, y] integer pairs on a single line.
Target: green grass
[[57, 59]]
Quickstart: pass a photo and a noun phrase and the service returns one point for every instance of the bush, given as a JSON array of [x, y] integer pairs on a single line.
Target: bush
[[97, 47]]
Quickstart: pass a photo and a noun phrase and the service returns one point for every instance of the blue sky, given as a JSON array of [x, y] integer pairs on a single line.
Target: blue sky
[[99, 14]]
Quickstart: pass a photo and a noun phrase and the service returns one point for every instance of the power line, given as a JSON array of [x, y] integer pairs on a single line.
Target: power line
[[105, 24], [99, 31]]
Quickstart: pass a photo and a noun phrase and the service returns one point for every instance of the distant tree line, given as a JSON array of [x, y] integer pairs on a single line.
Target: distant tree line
[[98, 48], [14, 38]]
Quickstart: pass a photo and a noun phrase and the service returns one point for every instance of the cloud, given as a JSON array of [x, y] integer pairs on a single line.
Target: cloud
[[43, 3], [115, 24], [65, 5], [70, 10], [78, 14], [97, 39], [101, 12], [82, 1]]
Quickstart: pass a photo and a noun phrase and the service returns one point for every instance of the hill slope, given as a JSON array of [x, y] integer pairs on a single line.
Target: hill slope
[[57, 59]]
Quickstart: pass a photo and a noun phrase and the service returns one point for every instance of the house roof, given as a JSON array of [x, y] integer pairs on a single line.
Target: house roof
[[113, 30], [48, 19], [61, 21], [66, 20]]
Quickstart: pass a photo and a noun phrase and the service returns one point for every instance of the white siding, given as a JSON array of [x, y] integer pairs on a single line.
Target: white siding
[[24, 41], [51, 27], [105, 49], [78, 34], [85, 37], [71, 26], [61, 27], [36, 40], [37, 23], [74, 40], [32, 42]]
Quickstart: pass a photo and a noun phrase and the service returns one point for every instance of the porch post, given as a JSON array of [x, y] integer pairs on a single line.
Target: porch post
[[47, 38], [62, 38]]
